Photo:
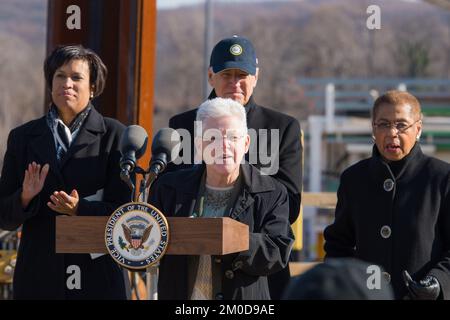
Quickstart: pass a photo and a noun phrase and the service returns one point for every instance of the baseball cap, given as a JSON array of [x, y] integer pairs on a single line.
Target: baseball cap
[[234, 53]]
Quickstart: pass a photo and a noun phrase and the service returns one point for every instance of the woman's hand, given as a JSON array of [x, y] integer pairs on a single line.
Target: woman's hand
[[33, 182], [63, 203]]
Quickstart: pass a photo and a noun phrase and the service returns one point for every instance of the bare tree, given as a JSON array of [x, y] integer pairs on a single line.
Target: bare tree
[[21, 85], [322, 38]]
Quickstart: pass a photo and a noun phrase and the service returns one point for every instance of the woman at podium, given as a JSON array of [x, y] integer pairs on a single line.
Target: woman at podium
[[64, 163], [223, 185]]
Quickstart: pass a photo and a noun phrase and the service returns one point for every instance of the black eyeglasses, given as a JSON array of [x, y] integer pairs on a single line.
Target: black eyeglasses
[[231, 138], [401, 127]]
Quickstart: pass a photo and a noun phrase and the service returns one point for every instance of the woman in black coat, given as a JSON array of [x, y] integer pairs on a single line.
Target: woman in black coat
[[393, 209], [225, 186], [66, 162]]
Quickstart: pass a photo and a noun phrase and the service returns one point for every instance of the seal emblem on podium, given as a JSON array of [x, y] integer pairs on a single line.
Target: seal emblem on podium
[[137, 235]]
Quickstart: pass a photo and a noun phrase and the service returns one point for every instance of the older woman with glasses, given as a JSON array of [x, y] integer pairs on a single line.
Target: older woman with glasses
[[393, 209], [224, 185]]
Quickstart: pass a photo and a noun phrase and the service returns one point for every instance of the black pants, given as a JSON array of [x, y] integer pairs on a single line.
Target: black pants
[[278, 283]]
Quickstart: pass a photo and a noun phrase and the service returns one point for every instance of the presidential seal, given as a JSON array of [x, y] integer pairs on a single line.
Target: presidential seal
[[137, 235]]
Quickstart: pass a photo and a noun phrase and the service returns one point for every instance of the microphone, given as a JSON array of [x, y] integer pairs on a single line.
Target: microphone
[[133, 144], [165, 147]]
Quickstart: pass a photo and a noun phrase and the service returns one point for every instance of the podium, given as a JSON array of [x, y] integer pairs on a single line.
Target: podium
[[187, 236]]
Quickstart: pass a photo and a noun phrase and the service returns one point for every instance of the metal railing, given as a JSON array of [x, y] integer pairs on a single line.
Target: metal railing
[[8, 255]]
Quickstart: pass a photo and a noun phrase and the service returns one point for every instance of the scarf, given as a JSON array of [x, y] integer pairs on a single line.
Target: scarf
[[62, 134]]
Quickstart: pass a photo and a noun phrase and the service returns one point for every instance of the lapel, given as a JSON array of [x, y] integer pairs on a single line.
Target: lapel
[[185, 204], [42, 144], [187, 191], [243, 201], [413, 163], [90, 132], [253, 182]]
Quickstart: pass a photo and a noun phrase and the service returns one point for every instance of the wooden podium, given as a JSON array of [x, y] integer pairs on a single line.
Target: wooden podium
[[189, 236]]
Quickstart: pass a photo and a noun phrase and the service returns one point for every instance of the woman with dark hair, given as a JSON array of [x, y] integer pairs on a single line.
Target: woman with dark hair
[[393, 208], [64, 163]]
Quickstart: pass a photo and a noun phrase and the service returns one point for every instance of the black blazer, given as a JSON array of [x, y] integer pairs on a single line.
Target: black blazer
[[262, 205], [417, 211], [290, 147], [91, 164]]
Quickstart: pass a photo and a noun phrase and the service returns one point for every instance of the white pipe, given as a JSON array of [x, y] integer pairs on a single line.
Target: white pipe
[[402, 87], [330, 106], [316, 129], [152, 283]]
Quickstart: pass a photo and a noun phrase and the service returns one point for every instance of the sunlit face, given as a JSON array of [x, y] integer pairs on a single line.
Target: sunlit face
[[223, 145], [233, 83], [71, 88], [396, 129]]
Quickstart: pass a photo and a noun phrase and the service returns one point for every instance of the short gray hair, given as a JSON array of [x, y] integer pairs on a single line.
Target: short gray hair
[[221, 107]]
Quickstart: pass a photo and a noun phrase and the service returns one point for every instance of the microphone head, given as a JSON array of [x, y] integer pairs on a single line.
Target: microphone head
[[133, 139], [166, 141]]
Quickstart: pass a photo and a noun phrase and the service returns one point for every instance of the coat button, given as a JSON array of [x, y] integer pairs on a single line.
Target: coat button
[[385, 232], [219, 296], [387, 277], [217, 260], [229, 274], [388, 185], [238, 265]]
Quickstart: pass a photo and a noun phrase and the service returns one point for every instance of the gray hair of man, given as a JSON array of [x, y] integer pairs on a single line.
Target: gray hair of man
[[219, 108]]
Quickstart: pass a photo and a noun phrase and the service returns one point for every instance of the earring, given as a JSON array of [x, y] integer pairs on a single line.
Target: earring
[[92, 95], [373, 138]]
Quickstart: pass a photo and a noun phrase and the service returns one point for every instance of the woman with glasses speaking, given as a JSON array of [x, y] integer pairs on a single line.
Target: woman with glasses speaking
[[393, 209], [224, 185]]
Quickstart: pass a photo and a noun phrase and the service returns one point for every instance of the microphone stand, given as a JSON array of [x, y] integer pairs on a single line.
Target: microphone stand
[[156, 167], [151, 273], [148, 177], [125, 177], [142, 194]]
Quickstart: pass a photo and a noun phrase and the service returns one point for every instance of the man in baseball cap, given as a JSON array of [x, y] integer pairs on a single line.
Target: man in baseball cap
[[234, 53], [233, 73]]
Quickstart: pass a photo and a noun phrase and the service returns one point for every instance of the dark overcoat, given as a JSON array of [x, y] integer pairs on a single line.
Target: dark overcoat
[[289, 154], [262, 204], [396, 216], [290, 147], [91, 166]]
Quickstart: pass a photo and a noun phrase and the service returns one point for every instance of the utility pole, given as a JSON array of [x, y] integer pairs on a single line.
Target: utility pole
[[209, 31]]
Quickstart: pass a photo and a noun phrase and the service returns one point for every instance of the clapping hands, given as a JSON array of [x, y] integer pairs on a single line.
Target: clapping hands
[[63, 203], [33, 182]]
